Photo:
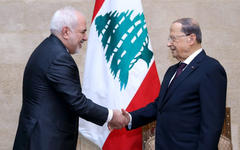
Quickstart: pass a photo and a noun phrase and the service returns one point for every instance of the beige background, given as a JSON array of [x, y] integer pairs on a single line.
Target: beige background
[[25, 23]]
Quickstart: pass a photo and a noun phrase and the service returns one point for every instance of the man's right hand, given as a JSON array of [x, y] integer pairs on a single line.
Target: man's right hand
[[119, 120]]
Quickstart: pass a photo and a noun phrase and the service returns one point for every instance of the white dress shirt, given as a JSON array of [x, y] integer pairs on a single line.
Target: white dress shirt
[[187, 61]]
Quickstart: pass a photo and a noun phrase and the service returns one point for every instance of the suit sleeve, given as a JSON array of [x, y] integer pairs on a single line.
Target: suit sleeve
[[213, 102], [148, 113], [144, 115], [64, 78]]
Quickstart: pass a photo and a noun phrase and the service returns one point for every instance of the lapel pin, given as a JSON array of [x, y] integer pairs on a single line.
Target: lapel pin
[[193, 67]]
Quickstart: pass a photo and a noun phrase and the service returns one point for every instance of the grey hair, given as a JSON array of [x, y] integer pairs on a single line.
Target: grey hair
[[190, 26], [64, 17]]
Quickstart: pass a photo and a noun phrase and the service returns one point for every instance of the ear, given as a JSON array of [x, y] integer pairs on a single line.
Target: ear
[[191, 39], [65, 32]]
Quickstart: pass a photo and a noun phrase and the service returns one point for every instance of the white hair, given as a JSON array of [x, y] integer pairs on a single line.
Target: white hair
[[65, 17]]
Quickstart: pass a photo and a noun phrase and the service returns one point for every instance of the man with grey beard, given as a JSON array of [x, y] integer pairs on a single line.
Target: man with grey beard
[[52, 96]]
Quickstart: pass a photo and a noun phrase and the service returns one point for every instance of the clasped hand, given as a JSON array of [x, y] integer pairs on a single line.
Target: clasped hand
[[120, 119]]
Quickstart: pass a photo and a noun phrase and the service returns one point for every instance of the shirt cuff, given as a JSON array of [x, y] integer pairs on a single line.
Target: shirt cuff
[[130, 122], [110, 115]]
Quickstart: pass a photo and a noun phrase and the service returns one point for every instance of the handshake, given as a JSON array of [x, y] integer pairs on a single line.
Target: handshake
[[119, 120]]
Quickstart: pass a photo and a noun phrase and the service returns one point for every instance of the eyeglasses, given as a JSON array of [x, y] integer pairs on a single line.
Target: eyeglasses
[[174, 38]]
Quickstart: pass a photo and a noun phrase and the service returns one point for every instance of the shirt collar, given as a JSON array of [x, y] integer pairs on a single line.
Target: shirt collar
[[192, 56]]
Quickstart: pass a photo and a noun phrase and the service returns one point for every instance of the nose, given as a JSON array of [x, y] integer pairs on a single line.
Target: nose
[[169, 43]]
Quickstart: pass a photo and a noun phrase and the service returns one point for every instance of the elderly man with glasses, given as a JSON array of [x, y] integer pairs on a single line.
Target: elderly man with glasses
[[190, 107]]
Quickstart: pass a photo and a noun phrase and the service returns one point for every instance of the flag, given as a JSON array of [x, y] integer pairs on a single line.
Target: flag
[[120, 70]]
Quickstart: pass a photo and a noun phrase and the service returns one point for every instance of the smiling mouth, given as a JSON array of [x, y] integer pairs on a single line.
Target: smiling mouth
[[80, 43]]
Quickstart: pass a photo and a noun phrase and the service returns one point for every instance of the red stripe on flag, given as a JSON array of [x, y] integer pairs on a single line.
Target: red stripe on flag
[[147, 92], [98, 5]]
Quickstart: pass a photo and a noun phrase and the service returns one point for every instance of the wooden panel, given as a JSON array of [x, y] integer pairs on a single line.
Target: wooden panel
[[226, 131]]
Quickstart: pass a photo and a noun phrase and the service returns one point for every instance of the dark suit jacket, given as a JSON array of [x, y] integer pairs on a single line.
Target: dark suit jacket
[[53, 101], [190, 113]]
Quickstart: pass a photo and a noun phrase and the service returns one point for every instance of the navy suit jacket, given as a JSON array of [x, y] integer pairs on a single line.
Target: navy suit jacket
[[189, 114], [53, 101]]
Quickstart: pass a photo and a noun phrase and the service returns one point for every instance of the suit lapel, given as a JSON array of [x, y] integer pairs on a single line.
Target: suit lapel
[[165, 83], [188, 70]]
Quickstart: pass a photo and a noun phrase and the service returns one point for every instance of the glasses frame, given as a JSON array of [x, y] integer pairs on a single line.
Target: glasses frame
[[172, 39]]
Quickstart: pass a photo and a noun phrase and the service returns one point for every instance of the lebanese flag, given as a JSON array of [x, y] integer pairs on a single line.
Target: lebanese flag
[[120, 70]]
